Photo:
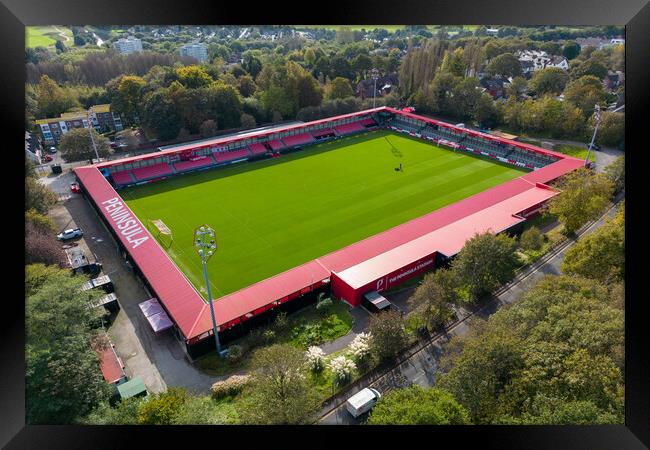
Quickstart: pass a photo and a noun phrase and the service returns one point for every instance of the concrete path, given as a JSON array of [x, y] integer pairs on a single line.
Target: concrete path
[[159, 360], [422, 368], [360, 318]]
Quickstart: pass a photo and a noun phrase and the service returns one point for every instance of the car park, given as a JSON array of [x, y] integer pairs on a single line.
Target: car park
[[70, 233]]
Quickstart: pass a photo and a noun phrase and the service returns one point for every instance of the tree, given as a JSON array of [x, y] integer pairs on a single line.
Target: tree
[[126, 96], [41, 247], [388, 334], [506, 65], [517, 88], [338, 88], [553, 348], [193, 76], [551, 80], [247, 86], [433, 299], [160, 115], [571, 50], [616, 173], [63, 380], [225, 104], [583, 196], [162, 408], [76, 145], [465, 97], [248, 121], [51, 99], [611, 131], [585, 92], [591, 66], [60, 47], [416, 405], [279, 392], [531, 239], [208, 128], [38, 197], [600, 255], [485, 111], [251, 63], [485, 262], [39, 221]]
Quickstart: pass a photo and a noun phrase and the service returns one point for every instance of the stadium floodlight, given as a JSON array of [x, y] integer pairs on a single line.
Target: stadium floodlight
[[593, 138], [375, 75], [205, 242], [90, 130]]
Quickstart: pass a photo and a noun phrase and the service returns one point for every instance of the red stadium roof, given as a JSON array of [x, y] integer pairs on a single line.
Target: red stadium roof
[[446, 228], [448, 239]]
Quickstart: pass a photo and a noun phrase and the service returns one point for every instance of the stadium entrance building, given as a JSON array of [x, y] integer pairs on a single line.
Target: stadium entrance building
[[377, 263]]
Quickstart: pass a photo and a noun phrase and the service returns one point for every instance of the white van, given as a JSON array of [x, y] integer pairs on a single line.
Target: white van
[[362, 401]]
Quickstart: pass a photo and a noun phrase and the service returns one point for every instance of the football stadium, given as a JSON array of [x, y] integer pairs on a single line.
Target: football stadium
[[349, 205]]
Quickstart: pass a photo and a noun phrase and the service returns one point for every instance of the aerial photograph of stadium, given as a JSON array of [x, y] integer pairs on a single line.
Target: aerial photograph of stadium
[[325, 224]]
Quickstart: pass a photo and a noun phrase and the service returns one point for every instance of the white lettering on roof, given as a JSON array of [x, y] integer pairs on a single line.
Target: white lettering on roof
[[125, 222]]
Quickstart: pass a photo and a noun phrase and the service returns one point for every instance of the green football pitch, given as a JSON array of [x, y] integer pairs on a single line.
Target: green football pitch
[[275, 214]]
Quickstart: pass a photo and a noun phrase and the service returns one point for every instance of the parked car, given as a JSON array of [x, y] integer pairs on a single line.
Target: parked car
[[74, 187], [362, 401], [52, 150], [71, 233], [47, 158]]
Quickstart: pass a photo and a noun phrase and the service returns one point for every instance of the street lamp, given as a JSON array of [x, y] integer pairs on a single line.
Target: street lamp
[[593, 138], [206, 244], [375, 75], [90, 130]]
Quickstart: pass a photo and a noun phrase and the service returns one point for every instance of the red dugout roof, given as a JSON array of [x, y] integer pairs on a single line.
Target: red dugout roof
[[191, 314]]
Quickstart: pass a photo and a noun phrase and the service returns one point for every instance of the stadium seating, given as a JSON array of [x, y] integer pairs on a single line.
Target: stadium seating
[[232, 155], [349, 128], [257, 148], [322, 133], [122, 177], [277, 144], [298, 139], [183, 166], [368, 122], [155, 170]]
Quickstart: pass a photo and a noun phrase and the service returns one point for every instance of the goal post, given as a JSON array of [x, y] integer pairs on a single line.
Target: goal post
[[161, 232]]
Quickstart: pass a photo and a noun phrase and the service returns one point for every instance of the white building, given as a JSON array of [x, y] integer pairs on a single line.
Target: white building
[[534, 60], [492, 31], [128, 45], [198, 51]]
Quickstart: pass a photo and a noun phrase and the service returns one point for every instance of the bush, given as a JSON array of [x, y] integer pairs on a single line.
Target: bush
[[531, 239], [269, 336], [235, 352], [40, 222], [256, 337], [342, 368], [230, 386], [281, 321], [324, 305], [360, 347], [315, 358]]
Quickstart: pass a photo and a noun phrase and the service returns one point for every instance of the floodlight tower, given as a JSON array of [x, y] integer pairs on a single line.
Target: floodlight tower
[[206, 244], [593, 138], [90, 130], [375, 75]]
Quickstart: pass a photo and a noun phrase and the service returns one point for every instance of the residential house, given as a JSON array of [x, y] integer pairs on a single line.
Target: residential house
[[614, 79], [495, 86], [558, 61], [32, 148], [385, 84], [102, 119]]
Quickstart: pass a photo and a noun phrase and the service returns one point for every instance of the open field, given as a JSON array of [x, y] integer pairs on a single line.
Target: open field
[[275, 214], [576, 152], [45, 36]]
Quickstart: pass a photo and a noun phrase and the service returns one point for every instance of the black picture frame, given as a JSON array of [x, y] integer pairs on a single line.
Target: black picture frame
[[634, 14]]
